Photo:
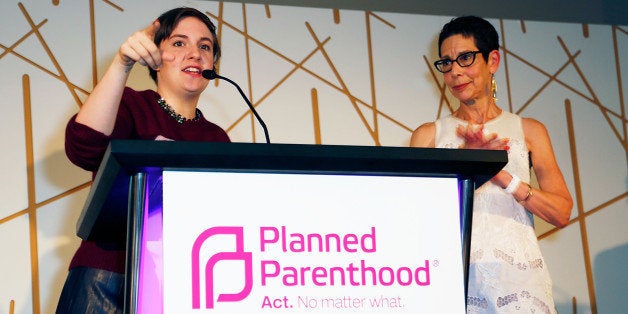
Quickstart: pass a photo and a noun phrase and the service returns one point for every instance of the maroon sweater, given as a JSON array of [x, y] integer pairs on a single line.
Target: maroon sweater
[[139, 117]]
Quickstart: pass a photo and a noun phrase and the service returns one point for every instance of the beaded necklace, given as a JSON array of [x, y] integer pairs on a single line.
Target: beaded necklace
[[179, 118]]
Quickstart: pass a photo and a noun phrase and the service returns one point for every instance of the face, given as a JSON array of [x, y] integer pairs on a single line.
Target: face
[[472, 83], [185, 54]]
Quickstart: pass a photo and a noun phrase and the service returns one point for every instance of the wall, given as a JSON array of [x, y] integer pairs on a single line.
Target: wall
[[612, 12], [319, 76]]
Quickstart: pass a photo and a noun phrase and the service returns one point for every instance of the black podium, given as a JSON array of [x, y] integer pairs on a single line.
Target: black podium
[[130, 177]]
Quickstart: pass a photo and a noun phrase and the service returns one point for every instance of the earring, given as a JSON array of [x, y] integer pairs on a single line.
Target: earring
[[494, 88]]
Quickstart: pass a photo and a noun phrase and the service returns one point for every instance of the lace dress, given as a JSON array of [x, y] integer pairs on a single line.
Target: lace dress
[[507, 273]]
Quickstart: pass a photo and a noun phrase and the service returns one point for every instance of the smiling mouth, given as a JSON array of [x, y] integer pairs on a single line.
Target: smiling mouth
[[460, 86], [192, 70]]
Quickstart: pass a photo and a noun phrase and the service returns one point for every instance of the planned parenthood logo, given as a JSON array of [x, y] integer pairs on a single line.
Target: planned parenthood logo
[[237, 255], [343, 268]]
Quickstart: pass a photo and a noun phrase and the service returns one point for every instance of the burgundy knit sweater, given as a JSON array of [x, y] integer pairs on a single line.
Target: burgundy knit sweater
[[139, 117]]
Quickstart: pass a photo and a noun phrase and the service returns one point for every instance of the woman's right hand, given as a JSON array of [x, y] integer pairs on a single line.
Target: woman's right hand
[[475, 138], [101, 107], [140, 47]]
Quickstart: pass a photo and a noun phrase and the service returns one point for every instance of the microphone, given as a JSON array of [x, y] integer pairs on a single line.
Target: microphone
[[211, 74]]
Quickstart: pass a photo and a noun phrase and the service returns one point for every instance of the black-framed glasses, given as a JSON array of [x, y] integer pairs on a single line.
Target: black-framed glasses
[[464, 60]]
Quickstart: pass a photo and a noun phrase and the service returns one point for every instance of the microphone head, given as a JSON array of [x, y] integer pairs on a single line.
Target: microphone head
[[209, 74]]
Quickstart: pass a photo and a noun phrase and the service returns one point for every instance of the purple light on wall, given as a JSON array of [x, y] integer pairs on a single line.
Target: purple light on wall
[[150, 290]]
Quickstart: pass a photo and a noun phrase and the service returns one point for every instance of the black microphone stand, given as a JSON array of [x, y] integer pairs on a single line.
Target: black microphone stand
[[211, 74]]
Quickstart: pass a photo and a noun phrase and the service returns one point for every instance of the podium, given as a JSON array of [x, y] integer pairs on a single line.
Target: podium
[[131, 178]]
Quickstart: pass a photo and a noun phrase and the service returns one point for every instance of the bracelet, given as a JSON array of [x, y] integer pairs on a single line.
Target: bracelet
[[530, 193], [512, 186]]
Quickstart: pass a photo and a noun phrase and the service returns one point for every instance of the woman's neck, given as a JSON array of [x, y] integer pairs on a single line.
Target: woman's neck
[[476, 113]]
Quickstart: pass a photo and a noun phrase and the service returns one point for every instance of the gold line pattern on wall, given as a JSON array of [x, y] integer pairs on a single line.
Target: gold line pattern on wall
[[604, 110], [369, 45], [505, 58], [344, 87], [92, 27], [32, 204], [316, 117], [297, 65], [620, 86], [219, 34], [44, 45], [267, 9], [247, 55], [580, 207], [355, 101], [10, 49]]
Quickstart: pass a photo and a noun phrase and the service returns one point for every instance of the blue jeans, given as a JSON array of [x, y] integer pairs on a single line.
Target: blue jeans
[[90, 290]]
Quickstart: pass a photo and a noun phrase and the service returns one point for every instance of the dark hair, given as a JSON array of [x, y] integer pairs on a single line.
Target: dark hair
[[169, 20], [482, 31]]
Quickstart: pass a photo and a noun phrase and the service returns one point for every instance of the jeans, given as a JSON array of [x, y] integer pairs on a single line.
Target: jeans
[[90, 290]]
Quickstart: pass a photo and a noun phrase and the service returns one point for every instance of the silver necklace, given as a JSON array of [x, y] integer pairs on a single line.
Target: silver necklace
[[179, 118]]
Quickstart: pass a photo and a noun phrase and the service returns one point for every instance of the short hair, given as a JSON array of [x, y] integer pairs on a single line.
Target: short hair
[[482, 31], [169, 20]]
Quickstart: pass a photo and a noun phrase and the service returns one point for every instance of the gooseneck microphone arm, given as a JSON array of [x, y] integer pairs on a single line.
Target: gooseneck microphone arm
[[211, 74]]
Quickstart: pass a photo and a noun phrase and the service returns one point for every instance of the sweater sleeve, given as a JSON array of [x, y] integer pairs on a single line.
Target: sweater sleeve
[[84, 146]]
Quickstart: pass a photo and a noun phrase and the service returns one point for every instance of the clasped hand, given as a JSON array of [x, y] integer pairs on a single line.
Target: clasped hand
[[475, 138]]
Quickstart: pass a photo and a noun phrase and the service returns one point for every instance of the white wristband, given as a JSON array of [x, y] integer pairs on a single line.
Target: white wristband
[[512, 186]]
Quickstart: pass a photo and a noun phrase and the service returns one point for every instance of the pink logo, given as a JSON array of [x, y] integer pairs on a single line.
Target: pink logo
[[236, 255]]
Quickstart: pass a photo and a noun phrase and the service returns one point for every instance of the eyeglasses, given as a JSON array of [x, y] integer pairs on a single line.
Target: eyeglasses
[[464, 60]]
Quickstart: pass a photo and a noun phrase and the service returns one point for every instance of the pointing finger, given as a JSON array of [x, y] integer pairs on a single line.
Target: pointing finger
[[152, 29]]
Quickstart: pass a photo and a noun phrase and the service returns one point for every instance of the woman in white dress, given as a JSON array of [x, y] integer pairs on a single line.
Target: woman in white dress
[[507, 273]]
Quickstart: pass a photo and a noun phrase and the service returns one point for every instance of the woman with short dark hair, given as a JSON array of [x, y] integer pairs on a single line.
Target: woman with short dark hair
[[176, 48], [507, 272]]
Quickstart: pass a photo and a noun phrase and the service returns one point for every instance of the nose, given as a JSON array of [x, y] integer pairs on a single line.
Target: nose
[[194, 53], [456, 69]]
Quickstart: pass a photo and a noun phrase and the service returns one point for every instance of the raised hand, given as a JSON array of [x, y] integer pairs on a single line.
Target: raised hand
[[141, 48], [475, 138]]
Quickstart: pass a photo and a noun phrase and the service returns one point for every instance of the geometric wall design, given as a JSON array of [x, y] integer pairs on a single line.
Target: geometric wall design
[[316, 76]]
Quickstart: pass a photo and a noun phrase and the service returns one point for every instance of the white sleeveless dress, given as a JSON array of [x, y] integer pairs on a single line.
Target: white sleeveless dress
[[507, 273]]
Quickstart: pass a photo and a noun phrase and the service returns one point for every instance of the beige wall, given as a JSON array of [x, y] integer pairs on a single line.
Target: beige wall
[[368, 76]]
